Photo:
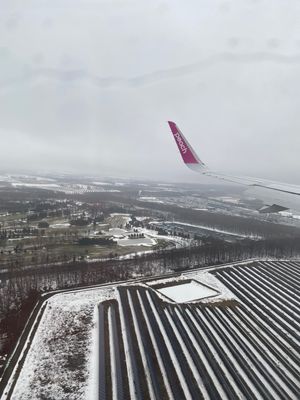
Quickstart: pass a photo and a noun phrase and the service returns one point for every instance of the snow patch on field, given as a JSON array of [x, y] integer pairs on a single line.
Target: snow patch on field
[[117, 232], [177, 240], [186, 292], [213, 282], [203, 277], [36, 185], [137, 242], [102, 183], [60, 225], [57, 365]]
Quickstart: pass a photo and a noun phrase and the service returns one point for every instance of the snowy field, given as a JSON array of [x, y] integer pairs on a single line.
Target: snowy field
[[186, 292], [130, 341], [58, 362], [60, 225], [117, 231], [68, 188], [206, 287], [177, 240], [137, 242], [61, 364]]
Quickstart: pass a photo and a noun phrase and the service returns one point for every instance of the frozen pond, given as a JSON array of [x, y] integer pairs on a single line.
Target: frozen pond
[[185, 292]]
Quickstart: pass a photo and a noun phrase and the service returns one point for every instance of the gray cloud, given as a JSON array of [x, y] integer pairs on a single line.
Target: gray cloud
[[89, 85], [74, 75]]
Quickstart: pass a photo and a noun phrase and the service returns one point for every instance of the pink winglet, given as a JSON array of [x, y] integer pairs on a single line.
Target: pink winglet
[[186, 152]]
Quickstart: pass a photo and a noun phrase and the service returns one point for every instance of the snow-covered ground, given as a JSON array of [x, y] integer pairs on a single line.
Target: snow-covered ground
[[60, 225], [68, 188], [102, 183], [64, 357], [58, 362], [204, 278], [137, 242], [120, 214], [186, 292], [117, 232], [49, 186], [151, 237], [151, 199], [177, 240], [61, 361]]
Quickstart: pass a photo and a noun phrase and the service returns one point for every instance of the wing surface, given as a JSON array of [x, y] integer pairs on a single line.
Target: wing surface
[[192, 161]]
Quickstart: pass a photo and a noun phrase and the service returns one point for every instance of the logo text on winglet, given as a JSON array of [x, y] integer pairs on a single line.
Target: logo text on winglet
[[180, 142]]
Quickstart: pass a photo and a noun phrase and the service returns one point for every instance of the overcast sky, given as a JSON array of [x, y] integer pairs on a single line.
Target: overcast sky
[[88, 85]]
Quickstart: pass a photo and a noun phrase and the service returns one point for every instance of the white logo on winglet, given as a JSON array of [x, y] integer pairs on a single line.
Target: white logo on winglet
[[180, 142]]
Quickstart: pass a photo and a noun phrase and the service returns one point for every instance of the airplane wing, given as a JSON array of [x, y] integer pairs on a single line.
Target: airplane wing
[[192, 161]]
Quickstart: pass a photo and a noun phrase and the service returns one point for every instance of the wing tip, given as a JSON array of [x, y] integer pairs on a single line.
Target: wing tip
[[187, 153]]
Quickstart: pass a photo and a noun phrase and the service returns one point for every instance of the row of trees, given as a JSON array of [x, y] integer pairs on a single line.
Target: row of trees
[[17, 282]]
